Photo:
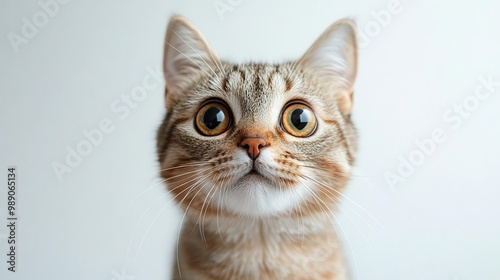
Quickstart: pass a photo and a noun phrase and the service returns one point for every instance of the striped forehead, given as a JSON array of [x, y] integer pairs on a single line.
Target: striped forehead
[[256, 92]]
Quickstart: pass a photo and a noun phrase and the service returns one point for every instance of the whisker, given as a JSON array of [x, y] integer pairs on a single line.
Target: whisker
[[217, 61], [328, 188], [333, 171], [200, 224], [182, 166], [347, 214], [182, 221], [165, 180], [338, 222], [202, 228], [187, 58], [297, 63], [151, 206], [349, 199], [222, 185], [180, 37]]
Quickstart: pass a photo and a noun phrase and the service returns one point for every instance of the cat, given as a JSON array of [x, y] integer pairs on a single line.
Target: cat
[[256, 156]]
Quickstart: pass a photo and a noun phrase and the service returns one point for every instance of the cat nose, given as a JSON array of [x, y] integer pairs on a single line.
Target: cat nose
[[253, 145]]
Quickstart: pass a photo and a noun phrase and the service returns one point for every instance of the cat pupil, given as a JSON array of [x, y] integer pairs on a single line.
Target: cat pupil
[[299, 119], [213, 118]]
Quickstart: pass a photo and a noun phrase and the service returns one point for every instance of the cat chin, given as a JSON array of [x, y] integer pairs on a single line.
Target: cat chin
[[254, 195]]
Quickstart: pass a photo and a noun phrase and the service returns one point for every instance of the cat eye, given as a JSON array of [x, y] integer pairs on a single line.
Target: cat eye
[[212, 119], [298, 120]]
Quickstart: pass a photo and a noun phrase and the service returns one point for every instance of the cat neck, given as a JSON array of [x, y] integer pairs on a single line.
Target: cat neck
[[239, 228], [260, 248]]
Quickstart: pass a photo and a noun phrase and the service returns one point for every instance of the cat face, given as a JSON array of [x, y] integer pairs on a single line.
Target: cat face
[[257, 139]]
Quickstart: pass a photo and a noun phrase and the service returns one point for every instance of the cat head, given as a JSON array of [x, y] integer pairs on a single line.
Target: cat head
[[257, 139]]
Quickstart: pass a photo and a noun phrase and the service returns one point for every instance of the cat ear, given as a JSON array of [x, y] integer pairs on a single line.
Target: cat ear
[[332, 59], [187, 56]]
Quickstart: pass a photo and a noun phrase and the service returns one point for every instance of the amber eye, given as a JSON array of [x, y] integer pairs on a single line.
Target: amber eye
[[212, 119], [298, 120]]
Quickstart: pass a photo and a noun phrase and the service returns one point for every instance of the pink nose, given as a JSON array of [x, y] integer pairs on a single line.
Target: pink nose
[[253, 145]]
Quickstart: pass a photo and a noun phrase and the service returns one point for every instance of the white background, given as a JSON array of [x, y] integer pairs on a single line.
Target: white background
[[442, 222]]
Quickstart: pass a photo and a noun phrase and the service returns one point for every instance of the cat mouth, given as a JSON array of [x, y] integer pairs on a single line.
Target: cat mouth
[[253, 177], [256, 175], [254, 172]]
